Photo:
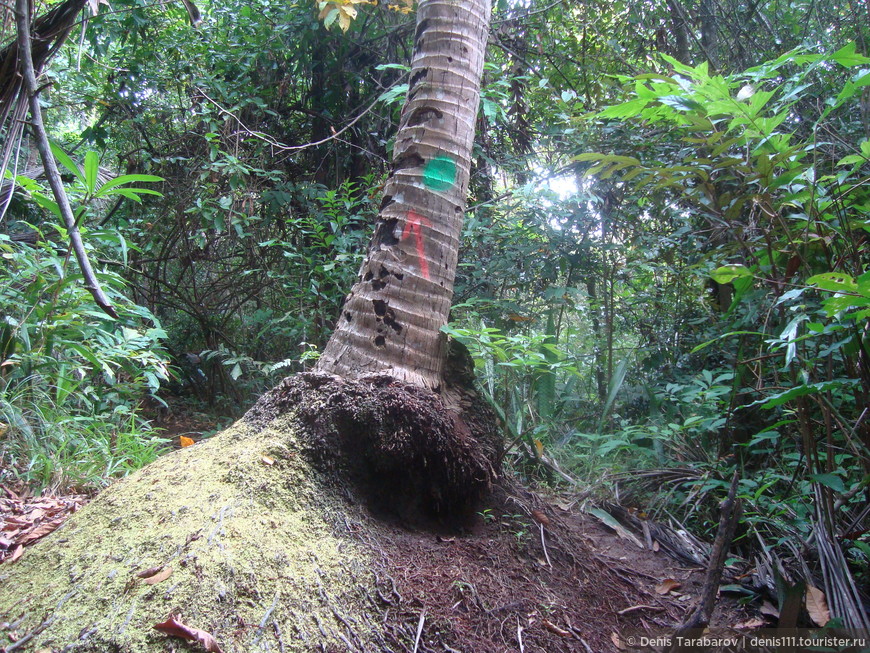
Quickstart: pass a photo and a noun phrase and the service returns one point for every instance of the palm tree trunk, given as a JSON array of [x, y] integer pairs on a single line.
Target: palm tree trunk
[[391, 320]]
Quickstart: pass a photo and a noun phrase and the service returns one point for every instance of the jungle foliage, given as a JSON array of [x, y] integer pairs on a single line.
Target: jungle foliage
[[665, 272]]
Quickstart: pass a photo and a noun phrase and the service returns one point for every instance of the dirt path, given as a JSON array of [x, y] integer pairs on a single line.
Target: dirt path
[[503, 588]]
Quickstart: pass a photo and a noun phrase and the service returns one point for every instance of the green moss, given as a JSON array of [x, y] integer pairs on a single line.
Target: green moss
[[259, 553]]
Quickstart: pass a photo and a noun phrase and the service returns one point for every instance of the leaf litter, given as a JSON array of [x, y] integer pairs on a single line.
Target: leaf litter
[[25, 519]]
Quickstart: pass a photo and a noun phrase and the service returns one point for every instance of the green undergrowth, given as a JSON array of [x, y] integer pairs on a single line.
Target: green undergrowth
[[50, 448], [259, 553]]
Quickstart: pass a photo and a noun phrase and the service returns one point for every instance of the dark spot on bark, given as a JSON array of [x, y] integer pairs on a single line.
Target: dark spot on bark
[[398, 275], [384, 272], [417, 77], [380, 307], [408, 159], [424, 114], [422, 26], [457, 209], [377, 284], [449, 59], [348, 316], [368, 276], [384, 234], [388, 199], [380, 341], [390, 321]]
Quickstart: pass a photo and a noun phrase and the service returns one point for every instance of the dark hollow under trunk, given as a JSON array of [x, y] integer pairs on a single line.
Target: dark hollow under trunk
[[406, 450]]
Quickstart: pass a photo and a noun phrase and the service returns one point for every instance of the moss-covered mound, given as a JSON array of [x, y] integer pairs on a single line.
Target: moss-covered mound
[[259, 535], [257, 545]]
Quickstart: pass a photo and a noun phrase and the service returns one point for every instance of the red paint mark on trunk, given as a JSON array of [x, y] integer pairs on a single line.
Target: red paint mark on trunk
[[414, 224]]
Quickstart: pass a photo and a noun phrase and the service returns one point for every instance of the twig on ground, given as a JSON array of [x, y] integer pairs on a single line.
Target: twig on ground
[[635, 608], [419, 630], [728, 518], [544, 545], [520, 637]]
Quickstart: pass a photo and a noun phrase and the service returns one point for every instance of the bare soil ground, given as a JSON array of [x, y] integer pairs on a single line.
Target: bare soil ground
[[501, 586]]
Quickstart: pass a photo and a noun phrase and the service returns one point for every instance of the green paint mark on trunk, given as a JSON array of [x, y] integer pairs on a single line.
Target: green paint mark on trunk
[[440, 173]]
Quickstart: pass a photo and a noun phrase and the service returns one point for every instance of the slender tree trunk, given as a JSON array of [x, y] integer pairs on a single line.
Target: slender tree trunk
[[679, 28], [28, 71], [391, 320], [709, 32]]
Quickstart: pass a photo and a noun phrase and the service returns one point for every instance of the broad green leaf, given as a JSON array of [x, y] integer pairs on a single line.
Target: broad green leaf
[[44, 202], [612, 390], [393, 66], [85, 353], [681, 103], [834, 305], [67, 162], [728, 273], [125, 191], [803, 390], [625, 110], [834, 282], [330, 17], [848, 56], [92, 171], [830, 480], [606, 158], [129, 179], [392, 94]]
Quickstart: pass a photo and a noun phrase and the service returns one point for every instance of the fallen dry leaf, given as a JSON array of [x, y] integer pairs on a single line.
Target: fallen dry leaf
[[17, 553], [159, 577], [817, 606], [668, 585], [13, 523], [175, 628], [149, 572], [540, 517], [185, 441], [10, 493], [656, 546], [42, 530], [617, 642], [36, 513], [268, 460], [752, 623]]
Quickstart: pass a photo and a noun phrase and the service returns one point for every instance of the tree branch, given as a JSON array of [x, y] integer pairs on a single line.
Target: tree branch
[[22, 19]]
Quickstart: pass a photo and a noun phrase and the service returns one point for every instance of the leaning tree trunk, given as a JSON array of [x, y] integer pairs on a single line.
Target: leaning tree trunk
[[391, 320]]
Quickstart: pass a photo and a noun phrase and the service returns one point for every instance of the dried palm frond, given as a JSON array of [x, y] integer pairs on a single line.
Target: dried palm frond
[[844, 597]]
